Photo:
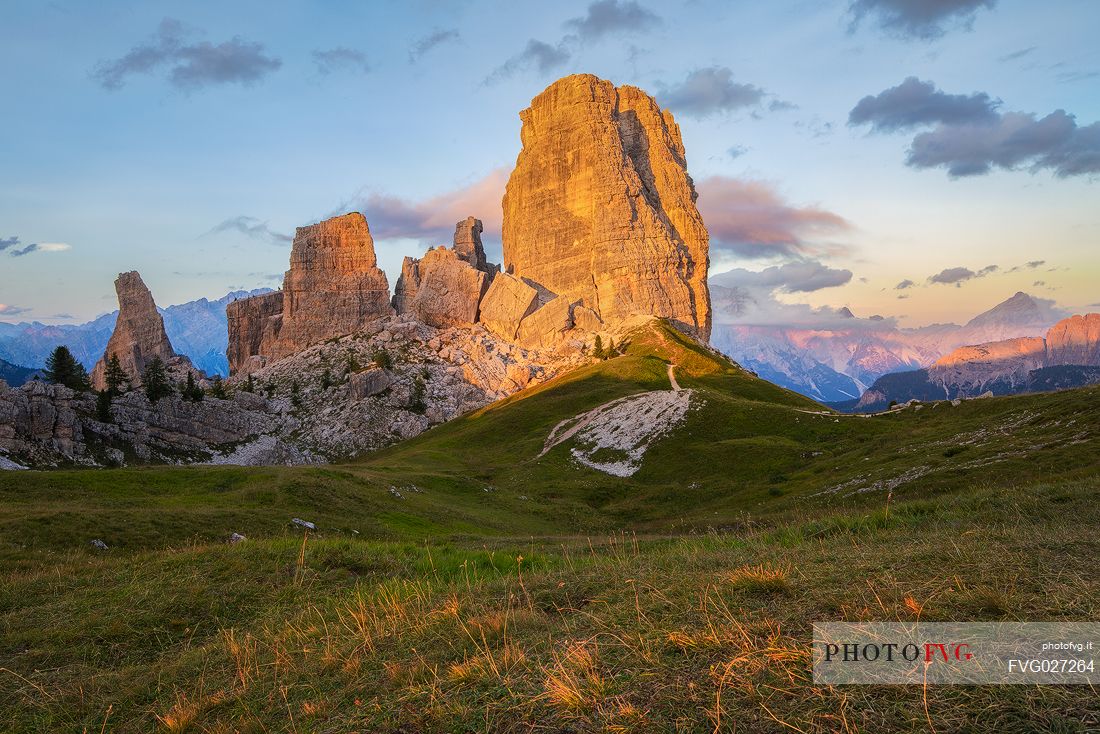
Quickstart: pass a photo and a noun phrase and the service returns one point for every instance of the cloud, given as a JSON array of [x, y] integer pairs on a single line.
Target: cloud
[[923, 20], [612, 16], [913, 103], [801, 276], [1030, 265], [339, 59], [427, 43], [971, 136], [736, 151], [708, 91], [903, 285], [190, 65], [1017, 54], [750, 219], [33, 247], [958, 276], [1016, 140], [537, 54], [433, 219], [6, 309], [252, 227]]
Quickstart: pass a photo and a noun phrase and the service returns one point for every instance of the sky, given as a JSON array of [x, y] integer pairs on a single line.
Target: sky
[[917, 160]]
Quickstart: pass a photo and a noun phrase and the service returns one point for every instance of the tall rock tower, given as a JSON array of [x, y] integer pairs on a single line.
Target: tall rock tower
[[334, 287], [139, 334], [600, 208]]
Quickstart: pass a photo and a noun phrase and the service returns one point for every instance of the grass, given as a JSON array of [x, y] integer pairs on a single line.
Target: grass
[[506, 592]]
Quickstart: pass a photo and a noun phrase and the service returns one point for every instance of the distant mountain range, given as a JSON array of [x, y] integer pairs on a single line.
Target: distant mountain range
[[1067, 356], [196, 329], [841, 359], [15, 375]]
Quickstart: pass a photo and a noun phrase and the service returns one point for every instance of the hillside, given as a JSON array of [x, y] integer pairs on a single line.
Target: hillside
[[15, 375], [460, 581]]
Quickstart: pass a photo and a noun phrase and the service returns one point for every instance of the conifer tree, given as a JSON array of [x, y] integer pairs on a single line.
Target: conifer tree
[[217, 388], [63, 369], [116, 378], [192, 391], [597, 348], [103, 406], [155, 380]]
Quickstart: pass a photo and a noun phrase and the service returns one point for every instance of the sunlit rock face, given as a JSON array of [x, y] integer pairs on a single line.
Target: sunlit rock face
[[334, 287], [1075, 340], [600, 208], [139, 335], [444, 287]]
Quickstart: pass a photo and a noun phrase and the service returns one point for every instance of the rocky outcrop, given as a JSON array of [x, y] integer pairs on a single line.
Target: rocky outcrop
[[507, 302], [1075, 340], [139, 335], [252, 322], [440, 289], [50, 425], [334, 287], [444, 287], [600, 208], [468, 245]]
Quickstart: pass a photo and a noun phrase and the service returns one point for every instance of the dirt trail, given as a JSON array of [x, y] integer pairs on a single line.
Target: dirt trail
[[672, 377]]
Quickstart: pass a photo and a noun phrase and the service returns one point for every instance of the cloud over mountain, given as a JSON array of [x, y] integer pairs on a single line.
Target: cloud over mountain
[[338, 59], [971, 136], [612, 16], [708, 91], [254, 228], [751, 219], [190, 65], [923, 20], [431, 41], [915, 102]]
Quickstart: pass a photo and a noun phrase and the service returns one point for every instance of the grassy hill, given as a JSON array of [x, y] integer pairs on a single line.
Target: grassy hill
[[462, 582]]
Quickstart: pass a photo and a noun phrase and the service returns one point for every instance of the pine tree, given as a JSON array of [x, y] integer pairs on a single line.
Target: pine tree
[[155, 380], [610, 349], [192, 391], [597, 348], [116, 378], [249, 385], [295, 394], [103, 406], [63, 369], [217, 389]]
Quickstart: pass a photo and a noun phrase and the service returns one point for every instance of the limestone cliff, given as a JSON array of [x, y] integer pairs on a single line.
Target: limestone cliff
[[139, 334], [444, 287], [600, 208], [1075, 340], [334, 287]]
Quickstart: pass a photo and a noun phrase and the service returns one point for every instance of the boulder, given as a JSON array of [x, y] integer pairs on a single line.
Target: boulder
[[600, 208], [546, 327], [369, 383], [587, 319], [505, 305]]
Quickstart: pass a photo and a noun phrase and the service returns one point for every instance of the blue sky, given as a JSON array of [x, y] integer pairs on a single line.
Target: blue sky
[[187, 140]]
